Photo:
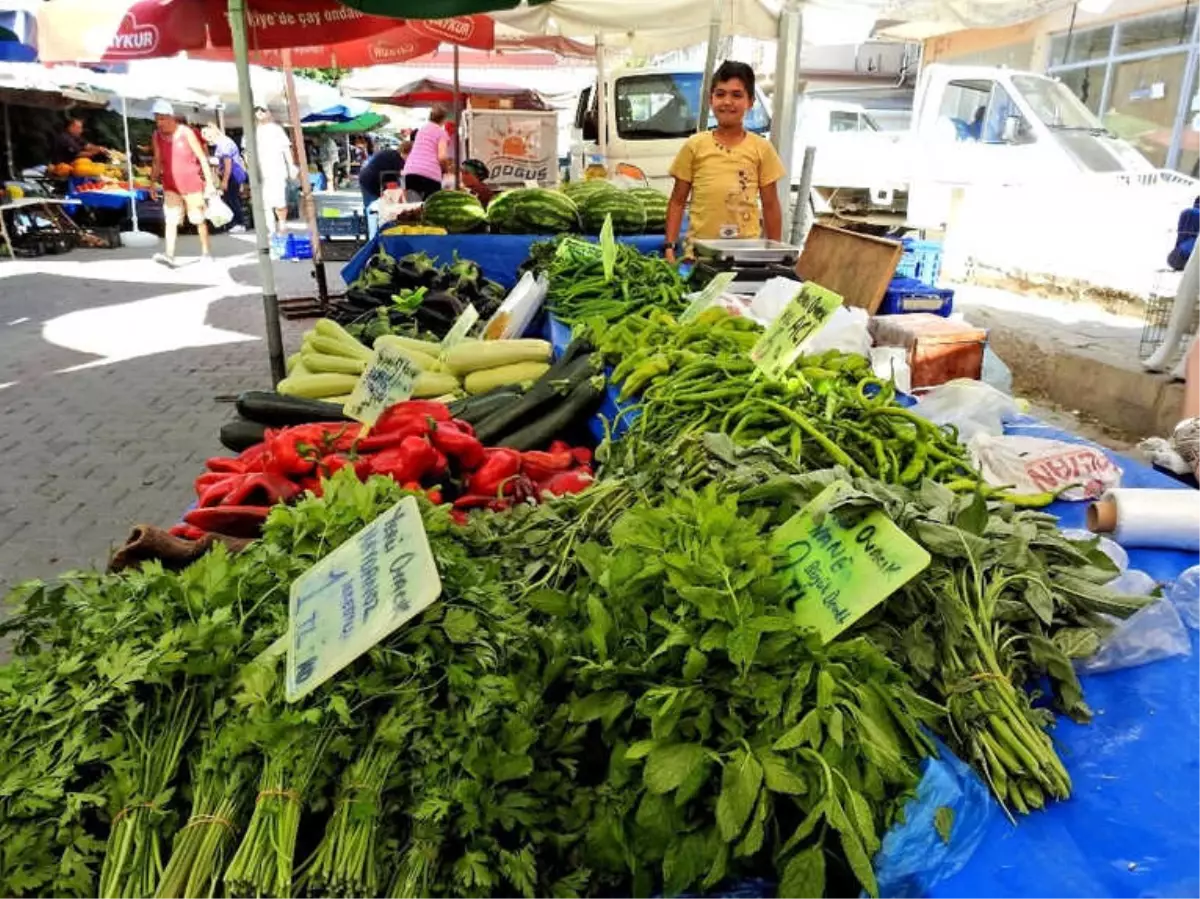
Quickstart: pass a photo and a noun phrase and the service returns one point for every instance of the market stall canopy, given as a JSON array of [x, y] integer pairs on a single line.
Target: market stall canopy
[[32, 84], [368, 121], [435, 91], [18, 30], [135, 96], [345, 110]]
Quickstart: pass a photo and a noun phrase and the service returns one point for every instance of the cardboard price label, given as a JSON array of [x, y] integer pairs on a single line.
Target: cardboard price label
[[357, 595], [461, 328], [389, 379], [784, 339], [838, 573], [707, 296]]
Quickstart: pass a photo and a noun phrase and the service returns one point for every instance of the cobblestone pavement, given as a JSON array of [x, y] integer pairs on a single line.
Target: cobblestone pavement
[[115, 377]]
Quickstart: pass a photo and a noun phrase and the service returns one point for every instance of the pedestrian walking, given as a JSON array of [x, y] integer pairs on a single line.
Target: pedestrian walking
[[276, 165], [231, 174], [181, 167]]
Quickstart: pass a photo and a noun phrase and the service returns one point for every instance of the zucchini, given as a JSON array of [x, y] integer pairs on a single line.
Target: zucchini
[[555, 384], [239, 434], [419, 358], [275, 410], [477, 355], [485, 379], [317, 386], [292, 361], [323, 362], [475, 409], [315, 343], [579, 404], [431, 384], [333, 331], [580, 346], [419, 346]]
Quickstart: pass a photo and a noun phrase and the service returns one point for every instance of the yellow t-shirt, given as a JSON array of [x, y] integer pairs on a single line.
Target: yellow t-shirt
[[725, 184]]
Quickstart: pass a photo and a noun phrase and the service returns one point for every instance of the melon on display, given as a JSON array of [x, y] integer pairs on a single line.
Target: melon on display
[[458, 211], [628, 214]]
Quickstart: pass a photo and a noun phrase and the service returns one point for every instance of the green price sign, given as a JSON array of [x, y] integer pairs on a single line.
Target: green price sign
[[707, 296], [784, 339], [840, 573], [389, 379], [357, 595]]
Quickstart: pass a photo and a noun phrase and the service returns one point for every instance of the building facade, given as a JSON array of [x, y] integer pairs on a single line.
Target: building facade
[[1134, 65]]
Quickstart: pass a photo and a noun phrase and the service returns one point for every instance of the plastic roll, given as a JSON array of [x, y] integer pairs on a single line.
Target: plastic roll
[[1162, 519]]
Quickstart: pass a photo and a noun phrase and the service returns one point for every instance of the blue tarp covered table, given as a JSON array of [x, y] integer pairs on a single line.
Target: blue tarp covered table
[[1131, 826], [498, 255], [109, 199]]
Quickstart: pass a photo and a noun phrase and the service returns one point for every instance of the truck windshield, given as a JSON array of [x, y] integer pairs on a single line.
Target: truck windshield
[[1055, 105], [664, 105]]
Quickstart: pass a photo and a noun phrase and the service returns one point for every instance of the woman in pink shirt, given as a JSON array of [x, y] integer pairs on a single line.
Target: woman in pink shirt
[[427, 159]]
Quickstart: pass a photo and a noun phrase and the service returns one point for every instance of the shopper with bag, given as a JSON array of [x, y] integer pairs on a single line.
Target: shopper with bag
[[231, 172], [181, 167]]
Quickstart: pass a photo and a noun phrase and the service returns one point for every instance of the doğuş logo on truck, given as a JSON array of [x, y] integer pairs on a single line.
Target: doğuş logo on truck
[[133, 39]]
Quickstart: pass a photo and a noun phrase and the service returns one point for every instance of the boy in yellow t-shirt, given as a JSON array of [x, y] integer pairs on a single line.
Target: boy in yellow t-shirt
[[727, 171]]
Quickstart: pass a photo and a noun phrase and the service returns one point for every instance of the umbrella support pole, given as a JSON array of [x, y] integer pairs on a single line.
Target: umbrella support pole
[[262, 236], [710, 63], [8, 144], [457, 123], [308, 206]]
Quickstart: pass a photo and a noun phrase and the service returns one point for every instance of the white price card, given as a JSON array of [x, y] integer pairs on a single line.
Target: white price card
[[389, 379], [357, 595], [707, 296], [459, 331]]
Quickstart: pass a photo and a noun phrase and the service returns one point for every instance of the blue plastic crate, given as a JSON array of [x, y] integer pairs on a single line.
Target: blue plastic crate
[[910, 295], [291, 246], [922, 260], [353, 225]]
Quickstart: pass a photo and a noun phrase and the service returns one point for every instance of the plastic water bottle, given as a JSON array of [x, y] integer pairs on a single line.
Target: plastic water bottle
[[1185, 594]]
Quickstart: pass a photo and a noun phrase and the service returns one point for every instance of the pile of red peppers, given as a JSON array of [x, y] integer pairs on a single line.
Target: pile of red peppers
[[417, 443]]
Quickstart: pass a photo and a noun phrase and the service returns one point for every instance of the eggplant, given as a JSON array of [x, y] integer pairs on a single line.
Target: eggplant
[[239, 435]]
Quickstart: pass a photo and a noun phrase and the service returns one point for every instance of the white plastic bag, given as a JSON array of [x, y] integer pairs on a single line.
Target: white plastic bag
[[846, 331], [1185, 593], [1031, 465], [971, 406], [518, 308], [1149, 634], [890, 363], [217, 211]]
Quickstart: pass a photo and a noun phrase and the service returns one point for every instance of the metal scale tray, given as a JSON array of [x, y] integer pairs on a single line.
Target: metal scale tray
[[747, 251]]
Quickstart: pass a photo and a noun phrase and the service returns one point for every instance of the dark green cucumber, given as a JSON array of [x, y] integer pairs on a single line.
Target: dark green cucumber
[[474, 409], [239, 434], [580, 346], [579, 404], [548, 390], [275, 410]]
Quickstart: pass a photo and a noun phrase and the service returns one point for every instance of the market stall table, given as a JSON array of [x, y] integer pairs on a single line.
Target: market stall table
[[498, 255], [47, 205], [114, 198], [1130, 827]]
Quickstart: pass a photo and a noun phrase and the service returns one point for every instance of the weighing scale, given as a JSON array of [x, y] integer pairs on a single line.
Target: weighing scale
[[753, 262]]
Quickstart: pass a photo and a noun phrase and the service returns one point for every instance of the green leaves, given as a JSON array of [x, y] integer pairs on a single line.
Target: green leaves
[[741, 781], [804, 874], [667, 767], [943, 822], [605, 706]]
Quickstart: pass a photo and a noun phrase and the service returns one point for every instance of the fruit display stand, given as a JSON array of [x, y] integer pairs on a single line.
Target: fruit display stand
[[108, 197], [499, 255]]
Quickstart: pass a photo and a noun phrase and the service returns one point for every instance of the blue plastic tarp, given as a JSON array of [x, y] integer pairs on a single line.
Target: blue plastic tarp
[[109, 199], [1132, 825], [498, 255]]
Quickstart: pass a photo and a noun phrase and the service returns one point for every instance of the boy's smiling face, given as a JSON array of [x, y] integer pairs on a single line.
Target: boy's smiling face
[[730, 102]]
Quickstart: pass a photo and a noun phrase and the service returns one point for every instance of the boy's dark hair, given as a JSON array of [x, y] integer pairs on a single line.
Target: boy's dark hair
[[730, 70]]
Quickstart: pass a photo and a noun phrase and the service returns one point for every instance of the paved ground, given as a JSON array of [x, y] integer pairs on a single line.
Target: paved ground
[[115, 377]]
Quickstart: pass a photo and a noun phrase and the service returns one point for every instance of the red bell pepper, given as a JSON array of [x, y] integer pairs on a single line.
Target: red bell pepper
[[261, 489], [540, 466], [215, 492], [376, 441], [293, 451], [499, 466], [209, 478], [452, 438], [233, 521], [225, 465], [187, 532], [402, 413], [573, 481], [434, 495], [407, 462], [439, 466]]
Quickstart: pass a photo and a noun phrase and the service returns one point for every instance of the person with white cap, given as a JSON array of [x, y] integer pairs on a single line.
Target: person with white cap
[[181, 166], [277, 165]]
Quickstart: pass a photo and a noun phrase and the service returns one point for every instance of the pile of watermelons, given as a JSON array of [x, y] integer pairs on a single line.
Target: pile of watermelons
[[580, 207]]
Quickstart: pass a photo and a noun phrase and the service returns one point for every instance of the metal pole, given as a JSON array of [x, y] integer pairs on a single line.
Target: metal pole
[[307, 206], [241, 59], [787, 77], [221, 117], [8, 146], [457, 121], [710, 63], [129, 164], [800, 218], [601, 104]]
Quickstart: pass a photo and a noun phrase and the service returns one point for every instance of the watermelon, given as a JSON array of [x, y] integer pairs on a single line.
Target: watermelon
[[579, 191], [534, 210], [628, 215], [655, 204], [455, 210]]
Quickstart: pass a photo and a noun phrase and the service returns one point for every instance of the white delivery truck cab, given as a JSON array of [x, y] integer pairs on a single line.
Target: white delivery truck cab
[[648, 114]]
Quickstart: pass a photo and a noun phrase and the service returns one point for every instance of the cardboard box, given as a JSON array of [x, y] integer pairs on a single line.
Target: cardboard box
[[939, 350]]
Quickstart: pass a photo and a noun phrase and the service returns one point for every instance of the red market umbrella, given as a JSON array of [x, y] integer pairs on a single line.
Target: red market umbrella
[[118, 30], [435, 92]]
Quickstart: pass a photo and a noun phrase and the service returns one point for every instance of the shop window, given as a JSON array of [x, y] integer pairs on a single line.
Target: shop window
[[1080, 46], [1171, 29], [1143, 103], [1087, 84]]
